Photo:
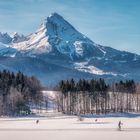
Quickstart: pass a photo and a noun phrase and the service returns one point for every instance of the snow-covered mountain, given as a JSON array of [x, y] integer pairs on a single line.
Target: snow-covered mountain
[[16, 38], [56, 34], [6, 50], [5, 38], [58, 48]]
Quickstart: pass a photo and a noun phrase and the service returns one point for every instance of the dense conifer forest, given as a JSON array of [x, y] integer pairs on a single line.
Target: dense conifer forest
[[17, 93]]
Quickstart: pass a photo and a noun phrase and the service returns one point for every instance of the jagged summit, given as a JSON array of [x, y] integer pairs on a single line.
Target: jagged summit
[[54, 17], [56, 24], [54, 14], [17, 37], [58, 20], [56, 34]]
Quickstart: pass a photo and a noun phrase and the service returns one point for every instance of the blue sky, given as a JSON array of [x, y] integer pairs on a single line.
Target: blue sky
[[114, 23]]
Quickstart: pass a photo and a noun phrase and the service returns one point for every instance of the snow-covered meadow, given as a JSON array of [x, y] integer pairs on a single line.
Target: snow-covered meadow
[[70, 128], [57, 126]]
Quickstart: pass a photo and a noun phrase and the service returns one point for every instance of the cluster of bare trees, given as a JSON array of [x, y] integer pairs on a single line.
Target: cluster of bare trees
[[17, 93], [95, 96]]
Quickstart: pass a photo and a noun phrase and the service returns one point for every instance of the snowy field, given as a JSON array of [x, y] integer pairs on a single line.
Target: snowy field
[[70, 128], [55, 126]]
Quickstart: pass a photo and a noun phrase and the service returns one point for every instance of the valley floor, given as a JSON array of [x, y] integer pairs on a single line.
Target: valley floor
[[65, 127], [56, 126]]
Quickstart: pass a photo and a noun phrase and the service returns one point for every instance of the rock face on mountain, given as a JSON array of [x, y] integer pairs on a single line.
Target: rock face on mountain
[[5, 38], [57, 36], [58, 51]]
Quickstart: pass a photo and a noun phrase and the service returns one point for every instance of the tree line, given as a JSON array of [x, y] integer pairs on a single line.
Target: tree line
[[18, 92], [96, 96]]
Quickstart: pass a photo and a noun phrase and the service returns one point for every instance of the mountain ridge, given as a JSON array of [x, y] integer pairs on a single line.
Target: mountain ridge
[[59, 43]]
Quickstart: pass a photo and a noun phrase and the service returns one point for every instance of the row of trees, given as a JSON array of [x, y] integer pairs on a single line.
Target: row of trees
[[95, 96], [17, 93]]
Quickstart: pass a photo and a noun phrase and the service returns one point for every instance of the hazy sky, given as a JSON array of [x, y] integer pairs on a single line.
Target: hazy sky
[[114, 23]]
